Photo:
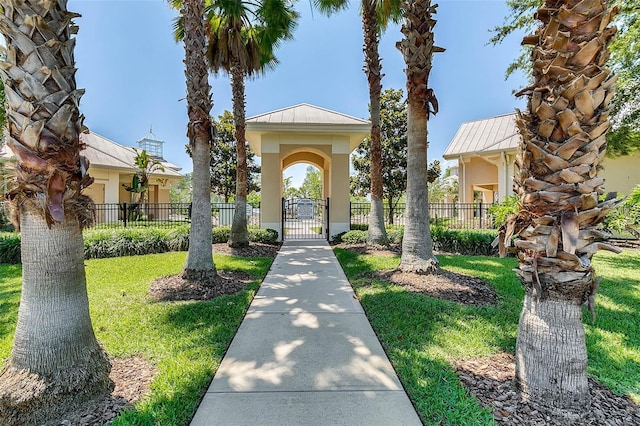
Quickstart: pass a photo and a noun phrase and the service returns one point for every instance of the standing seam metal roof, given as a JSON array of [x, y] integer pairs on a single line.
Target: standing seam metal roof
[[305, 114], [487, 135]]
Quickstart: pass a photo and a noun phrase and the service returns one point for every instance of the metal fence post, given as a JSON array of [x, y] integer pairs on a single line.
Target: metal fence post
[[125, 214]]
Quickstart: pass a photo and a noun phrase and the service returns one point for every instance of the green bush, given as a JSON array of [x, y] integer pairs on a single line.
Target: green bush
[[9, 248], [359, 227], [626, 217], [500, 212], [395, 233], [471, 242], [354, 237], [221, 234], [101, 243], [265, 236]]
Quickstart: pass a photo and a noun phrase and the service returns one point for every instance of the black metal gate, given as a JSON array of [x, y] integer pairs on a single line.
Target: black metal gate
[[305, 219]]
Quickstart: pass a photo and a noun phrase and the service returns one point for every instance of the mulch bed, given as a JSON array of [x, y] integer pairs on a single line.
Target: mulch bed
[[459, 288], [490, 379], [132, 377], [175, 287]]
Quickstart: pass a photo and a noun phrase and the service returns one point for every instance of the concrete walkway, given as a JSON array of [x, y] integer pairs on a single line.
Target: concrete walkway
[[305, 354]]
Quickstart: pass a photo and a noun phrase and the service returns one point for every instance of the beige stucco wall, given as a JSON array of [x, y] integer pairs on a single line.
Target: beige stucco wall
[[621, 174], [329, 153], [478, 174]]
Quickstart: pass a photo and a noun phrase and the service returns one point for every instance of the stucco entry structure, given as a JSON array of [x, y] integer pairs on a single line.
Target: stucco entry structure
[[305, 134]]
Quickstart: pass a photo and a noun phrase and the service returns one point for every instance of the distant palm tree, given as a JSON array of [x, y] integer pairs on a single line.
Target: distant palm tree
[[243, 36], [56, 362], [417, 48], [199, 264], [376, 15]]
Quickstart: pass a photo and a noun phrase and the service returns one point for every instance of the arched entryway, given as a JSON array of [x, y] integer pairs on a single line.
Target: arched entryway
[[306, 134]]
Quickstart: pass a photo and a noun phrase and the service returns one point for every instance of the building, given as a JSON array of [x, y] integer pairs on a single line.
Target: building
[[113, 167], [486, 149]]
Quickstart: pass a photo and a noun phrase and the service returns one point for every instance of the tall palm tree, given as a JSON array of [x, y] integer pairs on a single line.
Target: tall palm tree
[[563, 142], [199, 264], [417, 48], [56, 362], [243, 36], [376, 15]]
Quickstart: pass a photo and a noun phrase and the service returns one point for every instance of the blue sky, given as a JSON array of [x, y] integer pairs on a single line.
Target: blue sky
[[133, 70]]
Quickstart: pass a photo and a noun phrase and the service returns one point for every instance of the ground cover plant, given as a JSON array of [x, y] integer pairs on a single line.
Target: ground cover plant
[[425, 337], [184, 341]]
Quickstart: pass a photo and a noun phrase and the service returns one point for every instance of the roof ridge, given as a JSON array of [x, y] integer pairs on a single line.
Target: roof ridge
[[311, 106], [489, 118]]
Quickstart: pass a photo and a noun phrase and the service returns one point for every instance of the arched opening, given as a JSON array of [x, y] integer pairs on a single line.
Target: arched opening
[[306, 134]]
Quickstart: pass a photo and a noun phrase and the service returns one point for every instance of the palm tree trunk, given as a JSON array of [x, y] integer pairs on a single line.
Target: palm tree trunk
[[239, 236], [563, 142], [199, 264], [56, 362], [377, 233], [417, 48]]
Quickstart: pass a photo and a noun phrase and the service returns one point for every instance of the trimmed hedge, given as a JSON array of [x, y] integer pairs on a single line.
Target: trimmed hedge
[[472, 242], [101, 243]]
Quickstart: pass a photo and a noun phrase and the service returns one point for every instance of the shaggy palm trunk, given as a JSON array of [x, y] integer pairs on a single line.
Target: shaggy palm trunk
[[199, 264], [563, 143], [417, 48], [56, 363], [377, 233], [239, 236]]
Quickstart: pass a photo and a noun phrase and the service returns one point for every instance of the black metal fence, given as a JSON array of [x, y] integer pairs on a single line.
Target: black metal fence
[[449, 215], [166, 215]]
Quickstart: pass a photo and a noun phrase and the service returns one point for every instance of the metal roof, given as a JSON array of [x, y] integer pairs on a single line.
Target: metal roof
[[305, 114], [103, 152], [106, 153], [488, 135]]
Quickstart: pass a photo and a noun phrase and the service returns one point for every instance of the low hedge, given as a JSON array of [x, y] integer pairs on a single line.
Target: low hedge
[[101, 243], [472, 242]]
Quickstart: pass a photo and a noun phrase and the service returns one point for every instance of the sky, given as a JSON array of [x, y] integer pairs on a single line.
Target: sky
[[133, 71]]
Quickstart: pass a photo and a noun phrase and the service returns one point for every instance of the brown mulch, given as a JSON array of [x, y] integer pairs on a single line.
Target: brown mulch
[[490, 379], [131, 377], [459, 288], [175, 287], [254, 250]]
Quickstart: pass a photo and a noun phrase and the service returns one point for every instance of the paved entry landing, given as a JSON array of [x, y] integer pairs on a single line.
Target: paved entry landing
[[305, 354]]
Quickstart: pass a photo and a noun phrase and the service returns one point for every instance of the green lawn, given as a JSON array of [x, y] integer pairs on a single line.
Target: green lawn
[[184, 340], [422, 335]]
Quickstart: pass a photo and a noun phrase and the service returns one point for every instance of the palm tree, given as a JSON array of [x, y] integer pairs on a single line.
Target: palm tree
[[146, 165], [56, 362], [243, 36], [417, 48], [376, 15], [563, 142], [199, 265]]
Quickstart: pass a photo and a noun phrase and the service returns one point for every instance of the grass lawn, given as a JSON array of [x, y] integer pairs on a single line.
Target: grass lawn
[[184, 340], [422, 335]]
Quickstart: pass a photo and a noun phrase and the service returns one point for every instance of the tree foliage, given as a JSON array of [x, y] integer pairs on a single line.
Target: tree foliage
[[223, 160], [312, 184], [393, 132], [624, 138]]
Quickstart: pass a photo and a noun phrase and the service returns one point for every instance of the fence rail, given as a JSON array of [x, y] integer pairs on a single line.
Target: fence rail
[[166, 215], [449, 215]]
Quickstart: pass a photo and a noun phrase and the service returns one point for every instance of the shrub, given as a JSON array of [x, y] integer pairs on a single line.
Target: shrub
[[625, 217], [395, 234], [265, 236], [221, 234], [359, 227], [500, 212], [337, 239], [472, 242], [9, 248], [354, 237], [101, 243]]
